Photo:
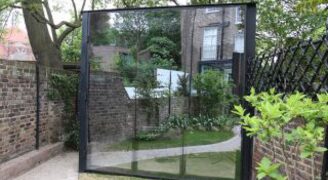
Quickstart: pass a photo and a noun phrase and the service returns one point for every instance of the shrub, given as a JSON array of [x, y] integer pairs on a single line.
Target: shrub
[[147, 136], [272, 125], [214, 92]]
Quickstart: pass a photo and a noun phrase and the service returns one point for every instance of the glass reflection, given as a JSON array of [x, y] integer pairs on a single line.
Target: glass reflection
[[161, 90]]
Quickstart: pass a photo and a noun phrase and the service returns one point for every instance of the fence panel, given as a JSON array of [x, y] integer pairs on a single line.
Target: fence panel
[[303, 68]]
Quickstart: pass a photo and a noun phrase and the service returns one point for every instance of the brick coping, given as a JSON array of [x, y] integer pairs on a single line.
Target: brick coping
[[15, 167]]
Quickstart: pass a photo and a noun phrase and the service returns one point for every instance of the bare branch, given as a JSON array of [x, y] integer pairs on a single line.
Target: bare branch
[[51, 20], [75, 10], [82, 8], [63, 35], [42, 19], [175, 2]]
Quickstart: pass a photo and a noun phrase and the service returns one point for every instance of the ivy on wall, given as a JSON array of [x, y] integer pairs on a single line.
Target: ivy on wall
[[64, 87]]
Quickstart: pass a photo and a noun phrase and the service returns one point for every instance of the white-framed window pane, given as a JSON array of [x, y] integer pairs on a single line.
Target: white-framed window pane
[[210, 40], [239, 42], [227, 74], [238, 15]]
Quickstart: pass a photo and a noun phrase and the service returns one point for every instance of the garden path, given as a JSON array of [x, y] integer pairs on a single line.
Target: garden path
[[106, 159]]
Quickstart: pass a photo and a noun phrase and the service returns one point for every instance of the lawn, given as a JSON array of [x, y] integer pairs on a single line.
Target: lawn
[[202, 166], [92, 176], [190, 138]]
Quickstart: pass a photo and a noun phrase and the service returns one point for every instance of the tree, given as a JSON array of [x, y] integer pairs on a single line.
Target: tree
[[46, 36]]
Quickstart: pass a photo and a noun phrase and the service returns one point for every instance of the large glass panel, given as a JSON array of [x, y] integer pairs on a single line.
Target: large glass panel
[[160, 92]]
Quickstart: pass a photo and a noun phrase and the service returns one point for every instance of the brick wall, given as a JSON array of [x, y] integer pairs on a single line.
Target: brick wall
[[192, 38], [109, 113], [113, 116], [18, 110], [304, 166]]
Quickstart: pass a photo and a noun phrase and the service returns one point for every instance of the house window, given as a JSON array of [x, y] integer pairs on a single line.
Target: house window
[[239, 42], [212, 10], [227, 74], [238, 16], [210, 43]]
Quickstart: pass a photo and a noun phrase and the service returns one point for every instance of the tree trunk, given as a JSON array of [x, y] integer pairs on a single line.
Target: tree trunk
[[45, 51]]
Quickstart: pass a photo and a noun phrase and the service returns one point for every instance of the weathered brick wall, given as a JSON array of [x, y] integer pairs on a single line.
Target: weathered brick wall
[[109, 114], [304, 166], [51, 111], [113, 116], [18, 110], [179, 105]]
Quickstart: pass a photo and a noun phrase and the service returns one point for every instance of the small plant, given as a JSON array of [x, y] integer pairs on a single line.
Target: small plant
[[177, 122], [267, 169], [272, 125], [147, 136]]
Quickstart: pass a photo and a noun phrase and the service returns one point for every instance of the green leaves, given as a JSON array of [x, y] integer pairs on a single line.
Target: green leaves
[[268, 169], [214, 92], [272, 123], [239, 110]]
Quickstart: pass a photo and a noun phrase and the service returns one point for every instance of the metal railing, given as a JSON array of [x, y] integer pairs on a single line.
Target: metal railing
[[303, 68]]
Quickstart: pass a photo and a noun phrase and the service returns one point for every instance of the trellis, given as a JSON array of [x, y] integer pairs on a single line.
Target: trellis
[[303, 68]]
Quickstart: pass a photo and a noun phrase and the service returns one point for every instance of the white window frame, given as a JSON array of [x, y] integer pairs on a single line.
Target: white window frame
[[238, 16], [239, 46], [212, 10], [227, 74], [205, 45]]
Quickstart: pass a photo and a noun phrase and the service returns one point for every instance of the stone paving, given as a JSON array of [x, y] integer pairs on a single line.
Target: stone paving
[[61, 167]]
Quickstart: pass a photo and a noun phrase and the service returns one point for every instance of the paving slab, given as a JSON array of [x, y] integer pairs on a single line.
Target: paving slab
[[61, 167]]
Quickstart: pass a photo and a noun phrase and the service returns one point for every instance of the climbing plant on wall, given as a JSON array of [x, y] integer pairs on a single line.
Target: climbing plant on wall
[[63, 87]]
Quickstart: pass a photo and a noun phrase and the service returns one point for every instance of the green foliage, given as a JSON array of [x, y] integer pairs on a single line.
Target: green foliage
[[162, 48], [147, 136], [107, 36], [212, 123], [71, 47], [275, 113], [273, 27], [214, 92], [267, 169], [200, 122], [183, 122], [64, 87]]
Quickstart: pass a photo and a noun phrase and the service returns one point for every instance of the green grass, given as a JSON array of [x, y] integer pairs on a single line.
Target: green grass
[[191, 138], [203, 165], [93, 176]]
